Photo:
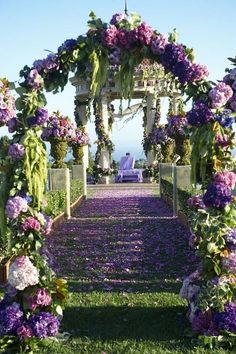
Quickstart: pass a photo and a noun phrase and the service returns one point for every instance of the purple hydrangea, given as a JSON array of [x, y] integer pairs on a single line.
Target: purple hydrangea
[[115, 56], [218, 195], [177, 124], [110, 37], [232, 102], [44, 324], [196, 201], [158, 44], [220, 94], [205, 323], [225, 118], [117, 18], [40, 117], [231, 237], [10, 319], [200, 114], [15, 206], [173, 54], [145, 33], [12, 125], [229, 262], [227, 319], [16, 151], [198, 72], [58, 126], [68, 46], [47, 64], [182, 70], [34, 79], [51, 62]]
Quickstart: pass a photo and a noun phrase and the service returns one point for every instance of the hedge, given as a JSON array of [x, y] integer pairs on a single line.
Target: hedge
[[56, 200]]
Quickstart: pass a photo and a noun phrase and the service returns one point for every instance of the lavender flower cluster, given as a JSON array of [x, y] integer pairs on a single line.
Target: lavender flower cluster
[[7, 104], [15, 206], [45, 65], [58, 126], [230, 79], [220, 94], [219, 192], [200, 114], [41, 325], [40, 118], [16, 151], [81, 138], [177, 124]]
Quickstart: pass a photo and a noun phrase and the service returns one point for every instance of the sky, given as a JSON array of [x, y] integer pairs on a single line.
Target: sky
[[28, 28]]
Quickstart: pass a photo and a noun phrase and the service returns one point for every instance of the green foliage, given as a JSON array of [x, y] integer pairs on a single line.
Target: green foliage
[[35, 165], [58, 152], [56, 200]]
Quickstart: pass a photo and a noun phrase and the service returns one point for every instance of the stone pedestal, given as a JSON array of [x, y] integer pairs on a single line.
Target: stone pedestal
[[59, 179]]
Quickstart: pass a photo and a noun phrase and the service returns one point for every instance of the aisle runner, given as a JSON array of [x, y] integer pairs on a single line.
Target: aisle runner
[[122, 240]]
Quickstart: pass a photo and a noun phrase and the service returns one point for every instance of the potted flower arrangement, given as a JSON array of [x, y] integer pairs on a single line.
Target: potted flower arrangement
[[58, 132], [178, 130], [77, 142]]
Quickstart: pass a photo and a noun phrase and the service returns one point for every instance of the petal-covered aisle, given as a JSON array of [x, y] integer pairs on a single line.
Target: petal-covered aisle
[[122, 239], [124, 256]]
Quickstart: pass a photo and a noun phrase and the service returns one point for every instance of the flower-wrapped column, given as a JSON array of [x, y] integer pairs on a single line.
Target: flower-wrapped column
[[81, 118], [150, 114], [104, 143]]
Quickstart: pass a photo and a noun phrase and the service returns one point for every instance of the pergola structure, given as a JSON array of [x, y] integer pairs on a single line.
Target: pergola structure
[[149, 89]]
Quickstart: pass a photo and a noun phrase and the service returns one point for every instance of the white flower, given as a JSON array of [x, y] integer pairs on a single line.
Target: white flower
[[23, 273]]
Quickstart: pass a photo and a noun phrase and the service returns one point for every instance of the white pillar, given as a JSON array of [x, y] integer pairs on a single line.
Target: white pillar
[[151, 110]]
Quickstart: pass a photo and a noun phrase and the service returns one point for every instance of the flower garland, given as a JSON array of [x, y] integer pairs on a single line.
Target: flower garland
[[34, 297]]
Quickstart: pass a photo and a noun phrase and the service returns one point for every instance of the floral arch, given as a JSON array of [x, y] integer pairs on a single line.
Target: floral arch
[[122, 44]]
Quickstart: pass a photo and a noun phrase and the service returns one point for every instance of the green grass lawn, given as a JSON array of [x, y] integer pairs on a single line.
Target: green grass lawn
[[132, 323]]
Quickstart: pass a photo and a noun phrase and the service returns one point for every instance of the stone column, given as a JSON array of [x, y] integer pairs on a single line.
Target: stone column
[[151, 110]]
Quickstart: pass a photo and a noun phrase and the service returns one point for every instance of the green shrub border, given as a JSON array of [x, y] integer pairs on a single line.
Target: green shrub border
[[56, 199]]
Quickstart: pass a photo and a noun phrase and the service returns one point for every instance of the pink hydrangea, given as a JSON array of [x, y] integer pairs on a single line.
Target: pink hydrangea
[[220, 94], [24, 332], [15, 206], [110, 36], [226, 177], [41, 298], [30, 223], [145, 33], [198, 72]]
